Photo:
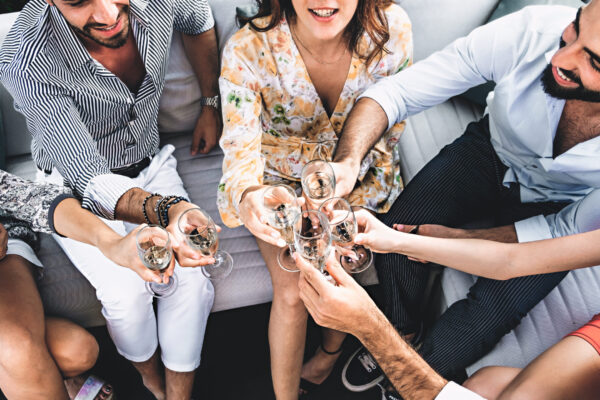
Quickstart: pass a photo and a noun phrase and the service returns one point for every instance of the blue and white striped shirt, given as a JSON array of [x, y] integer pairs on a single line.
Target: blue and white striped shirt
[[84, 120]]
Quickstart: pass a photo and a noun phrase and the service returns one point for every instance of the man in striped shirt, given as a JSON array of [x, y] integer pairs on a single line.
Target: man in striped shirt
[[87, 75]]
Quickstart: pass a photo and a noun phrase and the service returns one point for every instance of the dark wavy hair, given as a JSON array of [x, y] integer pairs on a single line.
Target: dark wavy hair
[[369, 17]]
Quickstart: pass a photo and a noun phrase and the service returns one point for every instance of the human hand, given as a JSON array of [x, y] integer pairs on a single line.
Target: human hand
[[207, 131], [3, 241], [344, 307], [122, 250], [253, 216], [346, 176], [374, 234], [186, 256]]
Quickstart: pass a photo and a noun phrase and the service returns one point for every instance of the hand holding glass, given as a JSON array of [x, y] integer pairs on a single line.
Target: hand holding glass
[[281, 208], [201, 235], [155, 251], [318, 181]]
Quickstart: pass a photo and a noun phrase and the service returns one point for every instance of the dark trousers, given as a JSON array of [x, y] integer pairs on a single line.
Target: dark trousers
[[462, 183]]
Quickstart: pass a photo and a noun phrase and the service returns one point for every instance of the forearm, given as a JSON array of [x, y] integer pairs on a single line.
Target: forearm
[[363, 128], [203, 53], [412, 377], [496, 260], [76, 223]]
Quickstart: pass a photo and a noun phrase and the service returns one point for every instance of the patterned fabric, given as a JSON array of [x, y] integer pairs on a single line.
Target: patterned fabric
[[86, 122], [24, 207], [274, 121]]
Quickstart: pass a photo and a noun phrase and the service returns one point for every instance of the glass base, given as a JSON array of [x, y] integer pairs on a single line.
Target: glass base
[[286, 261], [162, 290], [221, 268], [365, 259]]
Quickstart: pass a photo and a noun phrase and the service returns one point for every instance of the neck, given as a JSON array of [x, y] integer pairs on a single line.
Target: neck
[[587, 108], [327, 48]]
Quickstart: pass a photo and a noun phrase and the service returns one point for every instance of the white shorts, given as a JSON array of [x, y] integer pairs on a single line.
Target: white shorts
[[20, 248]]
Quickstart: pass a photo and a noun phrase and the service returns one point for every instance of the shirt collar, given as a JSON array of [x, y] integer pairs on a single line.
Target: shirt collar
[[74, 52]]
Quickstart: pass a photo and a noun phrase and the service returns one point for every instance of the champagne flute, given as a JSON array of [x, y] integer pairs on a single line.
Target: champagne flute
[[318, 181], [201, 235], [343, 229], [312, 237], [281, 209], [155, 251]]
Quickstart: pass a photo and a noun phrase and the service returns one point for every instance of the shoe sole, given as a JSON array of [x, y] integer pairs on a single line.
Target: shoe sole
[[361, 388]]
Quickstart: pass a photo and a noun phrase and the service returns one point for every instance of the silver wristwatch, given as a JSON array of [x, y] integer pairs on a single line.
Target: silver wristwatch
[[214, 101]]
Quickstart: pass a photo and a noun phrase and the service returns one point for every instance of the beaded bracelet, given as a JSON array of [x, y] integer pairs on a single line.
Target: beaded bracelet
[[158, 209], [168, 204], [144, 207]]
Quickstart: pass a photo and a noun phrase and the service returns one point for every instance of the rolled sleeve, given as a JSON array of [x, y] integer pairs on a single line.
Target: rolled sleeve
[[104, 191], [453, 391], [578, 217], [192, 17], [532, 229]]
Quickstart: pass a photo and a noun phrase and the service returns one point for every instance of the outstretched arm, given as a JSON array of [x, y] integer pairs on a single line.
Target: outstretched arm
[[485, 258]]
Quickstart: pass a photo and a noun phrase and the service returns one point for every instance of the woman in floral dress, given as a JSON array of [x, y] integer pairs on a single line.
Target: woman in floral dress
[[288, 82]]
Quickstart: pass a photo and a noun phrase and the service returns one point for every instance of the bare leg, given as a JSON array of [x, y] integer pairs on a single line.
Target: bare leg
[[179, 384], [151, 372], [287, 327], [27, 371], [318, 368], [568, 370], [489, 382]]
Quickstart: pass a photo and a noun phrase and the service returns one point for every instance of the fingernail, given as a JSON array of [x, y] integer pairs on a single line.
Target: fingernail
[[262, 219], [281, 243], [275, 234]]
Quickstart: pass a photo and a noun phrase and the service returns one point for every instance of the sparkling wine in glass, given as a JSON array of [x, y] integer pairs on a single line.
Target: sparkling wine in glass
[[318, 181], [201, 235], [281, 208], [353, 258], [312, 237], [154, 249]]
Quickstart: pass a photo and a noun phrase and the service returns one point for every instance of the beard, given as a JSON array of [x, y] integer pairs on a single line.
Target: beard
[[555, 90], [114, 42]]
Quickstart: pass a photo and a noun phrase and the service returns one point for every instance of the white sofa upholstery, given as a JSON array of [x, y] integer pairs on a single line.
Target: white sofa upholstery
[[435, 24]]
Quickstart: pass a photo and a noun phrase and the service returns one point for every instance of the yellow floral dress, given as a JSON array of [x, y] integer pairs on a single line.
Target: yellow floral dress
[[274, 121]]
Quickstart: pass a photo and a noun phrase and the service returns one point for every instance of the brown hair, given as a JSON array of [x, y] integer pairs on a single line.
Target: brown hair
[[369, 17]]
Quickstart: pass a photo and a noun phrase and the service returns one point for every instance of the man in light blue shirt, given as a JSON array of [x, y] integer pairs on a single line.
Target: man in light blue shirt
[[536, 150]]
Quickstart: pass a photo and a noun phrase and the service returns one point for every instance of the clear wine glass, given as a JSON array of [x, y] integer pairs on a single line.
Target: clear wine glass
[[318, 181], [353, 258], [155, 251], [201, 235], [312, 237], [281, 209]]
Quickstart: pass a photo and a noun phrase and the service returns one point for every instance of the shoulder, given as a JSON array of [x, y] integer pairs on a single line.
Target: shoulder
[[538, 20], [247, 37], [27, 40], [396, 17]]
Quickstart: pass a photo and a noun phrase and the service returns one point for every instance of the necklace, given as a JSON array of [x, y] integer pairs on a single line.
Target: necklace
[[295, 36]]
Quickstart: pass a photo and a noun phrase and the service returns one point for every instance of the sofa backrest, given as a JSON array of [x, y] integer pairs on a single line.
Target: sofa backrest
[[434, 25]]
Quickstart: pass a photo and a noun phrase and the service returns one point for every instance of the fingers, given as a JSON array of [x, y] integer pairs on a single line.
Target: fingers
[[312, 275], [405, 228], [196, 138], [337, 272], [265, 232]]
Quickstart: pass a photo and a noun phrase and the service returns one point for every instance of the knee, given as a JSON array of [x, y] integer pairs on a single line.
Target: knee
[[75, 352], [523, 391], [288, 297], [483, 383], [22, 350]]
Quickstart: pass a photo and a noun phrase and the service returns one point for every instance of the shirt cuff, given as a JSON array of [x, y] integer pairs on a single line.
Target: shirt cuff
[[380, 93], [104, 191], [532, 229], [453, 391]]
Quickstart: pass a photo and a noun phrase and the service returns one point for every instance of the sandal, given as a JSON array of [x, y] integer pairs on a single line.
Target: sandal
[[307, 387], [95, 388]]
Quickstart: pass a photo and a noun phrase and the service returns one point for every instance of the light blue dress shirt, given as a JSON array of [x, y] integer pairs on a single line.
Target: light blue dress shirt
[[513, 52]]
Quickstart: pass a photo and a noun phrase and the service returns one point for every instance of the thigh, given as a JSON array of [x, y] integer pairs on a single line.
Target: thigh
[[458, 185], [20, 303], [568, 370]]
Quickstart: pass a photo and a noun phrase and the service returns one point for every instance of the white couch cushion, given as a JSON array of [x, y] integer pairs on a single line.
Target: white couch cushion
[[570, 305]]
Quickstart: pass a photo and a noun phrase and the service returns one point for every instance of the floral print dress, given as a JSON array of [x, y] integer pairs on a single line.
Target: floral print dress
[[274, 121]]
